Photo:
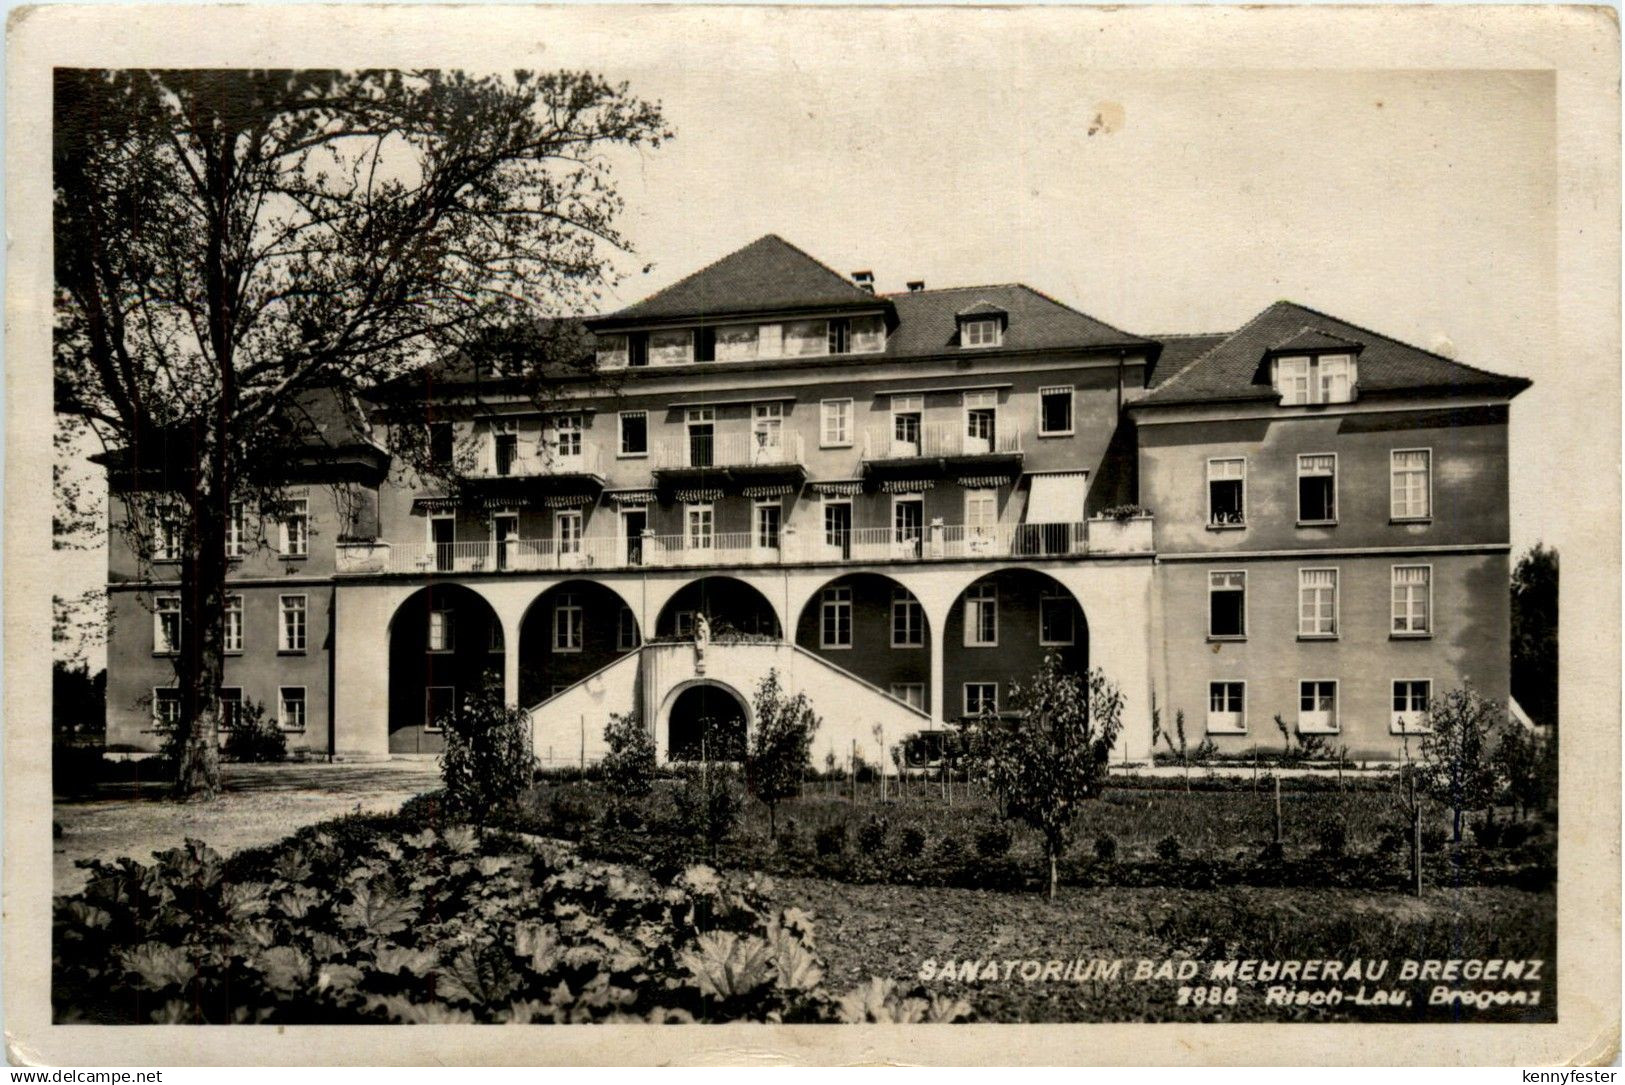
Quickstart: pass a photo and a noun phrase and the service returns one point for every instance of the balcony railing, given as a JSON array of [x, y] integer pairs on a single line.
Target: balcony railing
[[934, 542], [723, 450], [495, 464], [938, 440]]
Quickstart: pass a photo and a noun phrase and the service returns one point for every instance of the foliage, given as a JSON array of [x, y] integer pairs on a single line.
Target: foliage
[[1106, 848], [229, 243], [911, 843], [1169, 849], [255, 737], [709, 801], [1457, 768], [872, 835], [1124, 513], [1524, 764], [630, 765], [1331, 837], [487, 762], [1053, 754], [993, 842], [780, 747], [78, 701], [1534, 634], [376, 924], [830, 839]]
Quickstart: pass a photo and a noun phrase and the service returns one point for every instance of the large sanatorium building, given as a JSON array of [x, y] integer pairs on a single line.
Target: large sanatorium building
[[901, 502]]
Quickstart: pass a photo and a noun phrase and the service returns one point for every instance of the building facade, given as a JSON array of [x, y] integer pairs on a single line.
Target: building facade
[[900, 502]]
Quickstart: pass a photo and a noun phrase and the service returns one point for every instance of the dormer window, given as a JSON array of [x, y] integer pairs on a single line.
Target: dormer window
[[980, 333], [671, 347], [612, 352], [1325, 378]]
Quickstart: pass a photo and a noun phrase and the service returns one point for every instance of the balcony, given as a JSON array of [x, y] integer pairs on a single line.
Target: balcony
[[940, 448], [721, 459], [502, 474], [862, 546]]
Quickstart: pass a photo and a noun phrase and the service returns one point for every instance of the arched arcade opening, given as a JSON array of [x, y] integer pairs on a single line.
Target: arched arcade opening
[[998, 632], [731, 607], [568, 632], [445, 642], [706, 720], [872, 626]]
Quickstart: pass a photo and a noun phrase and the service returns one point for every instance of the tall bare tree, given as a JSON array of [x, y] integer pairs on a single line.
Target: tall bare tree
[[227, 241]]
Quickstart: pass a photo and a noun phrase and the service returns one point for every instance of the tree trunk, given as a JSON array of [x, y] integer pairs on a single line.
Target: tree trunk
[[203, 601], [772, 823], [1456, 827], [1054, 873]]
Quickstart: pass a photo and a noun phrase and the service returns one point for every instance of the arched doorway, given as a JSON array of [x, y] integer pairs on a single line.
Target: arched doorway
[[706, 720], [731, 606], [872, 626], [568, 632], [445, 642], [998, 632]]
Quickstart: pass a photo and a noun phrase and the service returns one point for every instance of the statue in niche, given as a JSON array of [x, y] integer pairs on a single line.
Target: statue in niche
[[702, 639]]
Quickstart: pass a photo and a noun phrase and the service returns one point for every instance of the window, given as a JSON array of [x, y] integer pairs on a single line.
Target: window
[[626, 631], [982, 616], [1227, 604], [443, 536], [166, 530], [441, 444], [701, 423], [737, 342], [1317, 489], [634, 433], [567, 436], [505, 446], [232, 637], [1226, 493], [1056, 618], [979, 333], [292, 633], [291, 708], [568, 624], [166, 625], [905, 415], [908, 525], [1317, 707], [612, 351], [866, 335], [1317, 602], [442, 631], [671, 347], [1411, 697], [767, 431], [700, 525], [567, 531], [505, 537], [838, 526], [1054, 412], [684, 620], [231, 707], [981, 517], [1325, 379], [981, 697], [1411, 474], [910, 693], [805, 338], [981, 419], [907, 620], [768, 517], [835, 618], [495, 642], [439, 705], [637, 349], [1412, 609], [836, 431], [296, 529], [236, 531], [166, 708], [1227, 707]]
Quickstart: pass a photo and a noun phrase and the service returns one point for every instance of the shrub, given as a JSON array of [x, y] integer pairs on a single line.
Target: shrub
[[628, 768], [1433, 838], [780, 746], [570, 812], [1515, 834], [911, 845], [1457, 768], [487, 762], [1489, 832], [950, 851], [1331, 837], [1271, 854], [789, 837], [709, 801], [872, 835], [993, 842], [1124, 513], [255, 738], [830, 840], [1106, 848], [1169, 849]]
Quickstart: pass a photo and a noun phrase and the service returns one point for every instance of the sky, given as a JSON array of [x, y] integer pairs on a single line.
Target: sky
[[1421, 204]]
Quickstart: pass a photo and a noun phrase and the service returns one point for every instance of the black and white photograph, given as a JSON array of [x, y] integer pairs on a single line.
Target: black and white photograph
[[847, 517]]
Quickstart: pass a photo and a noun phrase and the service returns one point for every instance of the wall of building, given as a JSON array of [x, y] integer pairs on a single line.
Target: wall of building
[[1019, 653], [1469, 468], [133, 669], [1468, 644]]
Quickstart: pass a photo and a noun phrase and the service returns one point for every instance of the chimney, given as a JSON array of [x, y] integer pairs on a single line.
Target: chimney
[[865, 280], [916, 285]]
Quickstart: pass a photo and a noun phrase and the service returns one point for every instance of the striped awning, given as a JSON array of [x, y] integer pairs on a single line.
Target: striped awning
[[982, 482], [434, 504], [777, 489], [851, 488], [696, 495], [631, 497], [906, 485], [567, 501]]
